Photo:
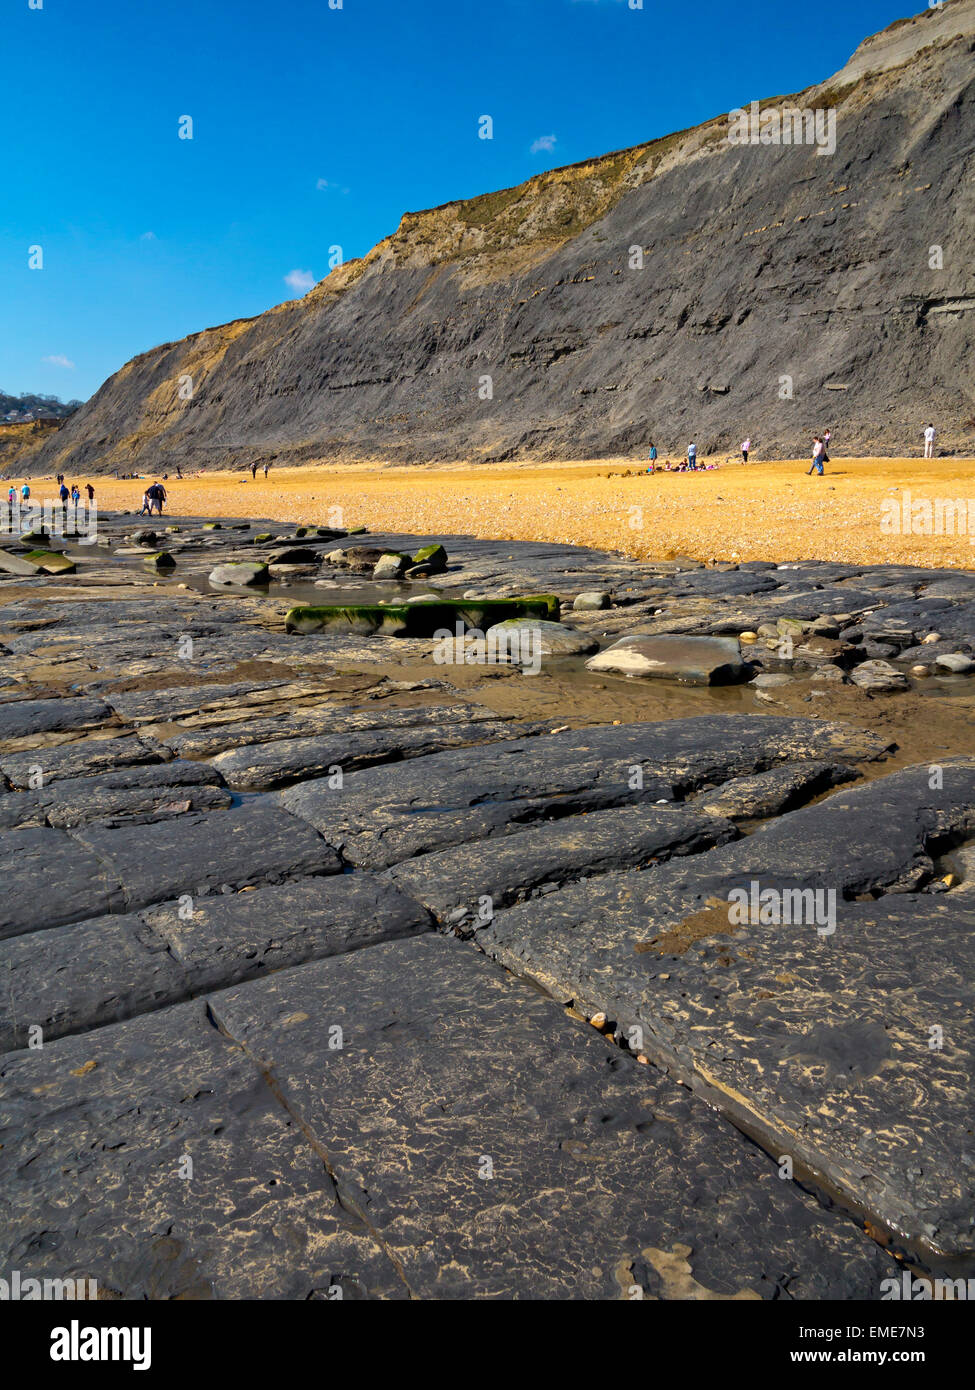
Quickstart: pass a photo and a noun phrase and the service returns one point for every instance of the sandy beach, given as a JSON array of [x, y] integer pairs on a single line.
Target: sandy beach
[[759, 511]]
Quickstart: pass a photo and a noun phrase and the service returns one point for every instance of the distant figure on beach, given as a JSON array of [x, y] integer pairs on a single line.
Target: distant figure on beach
[[746, 445], [146, 504], [827, 436], [25, 492], [817, 457], [90, 491], [929, 434], [253, 472], [63, 494], [653, 458], [75, 494], [179, 471], [266, 467], [692, 457]]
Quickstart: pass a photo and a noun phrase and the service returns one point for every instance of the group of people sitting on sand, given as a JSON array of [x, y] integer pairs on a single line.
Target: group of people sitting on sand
[[688, 465]]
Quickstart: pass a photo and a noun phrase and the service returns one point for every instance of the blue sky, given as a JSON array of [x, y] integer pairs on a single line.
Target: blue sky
[[315, 127]]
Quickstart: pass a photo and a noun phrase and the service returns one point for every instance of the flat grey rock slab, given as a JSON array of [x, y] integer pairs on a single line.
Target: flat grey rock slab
[[151, 706], [308, 723], [48, 878], [774, 792], [530, 639], [153, 1157], [386, 814], [237, 937], [628, 945], [261, 766], [689, 660], [86, 757], [71, 979], [156, 791], [74, 978], [23, 718], [878, 676], [198, 853], [499, 1149], [462, 888]]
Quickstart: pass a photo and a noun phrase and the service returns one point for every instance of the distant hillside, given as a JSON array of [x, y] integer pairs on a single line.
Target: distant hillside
[[781, 290], [17, 408], [25, 422]]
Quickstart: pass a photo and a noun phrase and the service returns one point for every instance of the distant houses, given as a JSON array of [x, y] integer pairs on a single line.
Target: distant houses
[[28, 417]]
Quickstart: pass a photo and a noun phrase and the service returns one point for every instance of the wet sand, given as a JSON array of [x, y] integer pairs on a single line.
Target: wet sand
[[758, 511]]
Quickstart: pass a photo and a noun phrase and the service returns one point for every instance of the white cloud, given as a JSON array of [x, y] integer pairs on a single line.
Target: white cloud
[[148, 236], [328, 186], [301, 281], [58, 359], [544, 144]]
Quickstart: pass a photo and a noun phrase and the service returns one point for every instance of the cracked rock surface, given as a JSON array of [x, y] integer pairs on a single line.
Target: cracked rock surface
[[300, 933]]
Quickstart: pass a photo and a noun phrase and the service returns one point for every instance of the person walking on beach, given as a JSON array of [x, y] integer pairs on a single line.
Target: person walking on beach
[[75, 494], [653, 457], [146, 504], [25, 493], [63, 494], [90, 491], [253, 472], [746, 445], [817, 457], [692, 457], [929, 434], [266, 467]]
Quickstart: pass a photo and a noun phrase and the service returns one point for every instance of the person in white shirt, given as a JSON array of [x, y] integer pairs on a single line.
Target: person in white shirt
[[746, 444], [817, 457], [929, 442]]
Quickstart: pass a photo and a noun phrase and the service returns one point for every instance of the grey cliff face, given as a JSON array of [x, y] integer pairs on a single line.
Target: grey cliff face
[[678, 289]]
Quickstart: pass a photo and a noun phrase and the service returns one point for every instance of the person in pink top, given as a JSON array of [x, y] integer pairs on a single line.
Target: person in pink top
[[746, 444]]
